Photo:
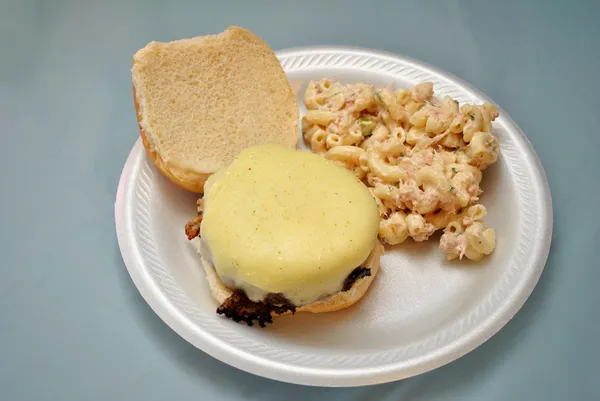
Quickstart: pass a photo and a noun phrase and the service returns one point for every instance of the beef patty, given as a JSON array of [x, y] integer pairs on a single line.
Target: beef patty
[[240, 308]]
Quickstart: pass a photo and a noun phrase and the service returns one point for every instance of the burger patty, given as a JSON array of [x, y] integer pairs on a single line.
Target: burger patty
[[357, 273], [192, 227], [240, 308]]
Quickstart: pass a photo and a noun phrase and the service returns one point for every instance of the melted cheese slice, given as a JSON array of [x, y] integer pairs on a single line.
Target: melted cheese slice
[[286, 221]]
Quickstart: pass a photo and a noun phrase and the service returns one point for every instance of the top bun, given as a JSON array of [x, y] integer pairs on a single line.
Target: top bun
[[201, 101]]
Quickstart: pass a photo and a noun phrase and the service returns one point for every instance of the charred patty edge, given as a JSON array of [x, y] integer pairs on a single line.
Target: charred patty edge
[[239, 308]]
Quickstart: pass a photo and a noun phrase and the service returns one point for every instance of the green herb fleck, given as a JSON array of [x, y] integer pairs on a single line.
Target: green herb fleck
[[378, 96], [451, 189], [453, 170], [472, 116], [455, 101], [401, 154]]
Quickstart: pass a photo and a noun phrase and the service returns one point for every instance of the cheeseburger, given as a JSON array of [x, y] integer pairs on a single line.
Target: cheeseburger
[[284, 231]]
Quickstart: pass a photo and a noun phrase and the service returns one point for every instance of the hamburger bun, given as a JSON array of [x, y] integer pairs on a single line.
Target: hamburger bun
[[200, 101]]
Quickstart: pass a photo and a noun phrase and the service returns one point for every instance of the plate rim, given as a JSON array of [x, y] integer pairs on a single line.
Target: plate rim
[[319, 376]]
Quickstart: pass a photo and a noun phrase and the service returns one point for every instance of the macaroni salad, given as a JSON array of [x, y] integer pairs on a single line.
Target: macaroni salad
[[421, 158]]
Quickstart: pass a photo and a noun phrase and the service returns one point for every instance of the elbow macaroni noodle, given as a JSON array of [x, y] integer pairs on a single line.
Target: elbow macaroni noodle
[[422, 158]]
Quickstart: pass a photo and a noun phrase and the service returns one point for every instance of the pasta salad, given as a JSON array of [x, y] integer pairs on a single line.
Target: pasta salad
[[422, 158]]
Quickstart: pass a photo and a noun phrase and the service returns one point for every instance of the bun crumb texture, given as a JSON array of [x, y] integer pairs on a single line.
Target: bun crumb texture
[[201, 101]]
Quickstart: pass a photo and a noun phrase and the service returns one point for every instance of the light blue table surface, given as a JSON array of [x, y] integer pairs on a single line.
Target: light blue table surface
[[72, 324]]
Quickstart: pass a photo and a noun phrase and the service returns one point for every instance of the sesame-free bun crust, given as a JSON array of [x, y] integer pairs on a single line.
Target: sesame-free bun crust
[[201, 101], [339, 300]]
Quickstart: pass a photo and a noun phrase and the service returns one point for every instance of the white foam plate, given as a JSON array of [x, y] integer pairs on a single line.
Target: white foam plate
[[421, 312]]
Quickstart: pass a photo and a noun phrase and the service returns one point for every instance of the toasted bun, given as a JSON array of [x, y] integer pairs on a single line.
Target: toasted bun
[[201, 101], [339, 300]]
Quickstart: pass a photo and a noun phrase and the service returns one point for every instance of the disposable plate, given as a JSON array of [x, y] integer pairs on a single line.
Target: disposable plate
[[421, 312]]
